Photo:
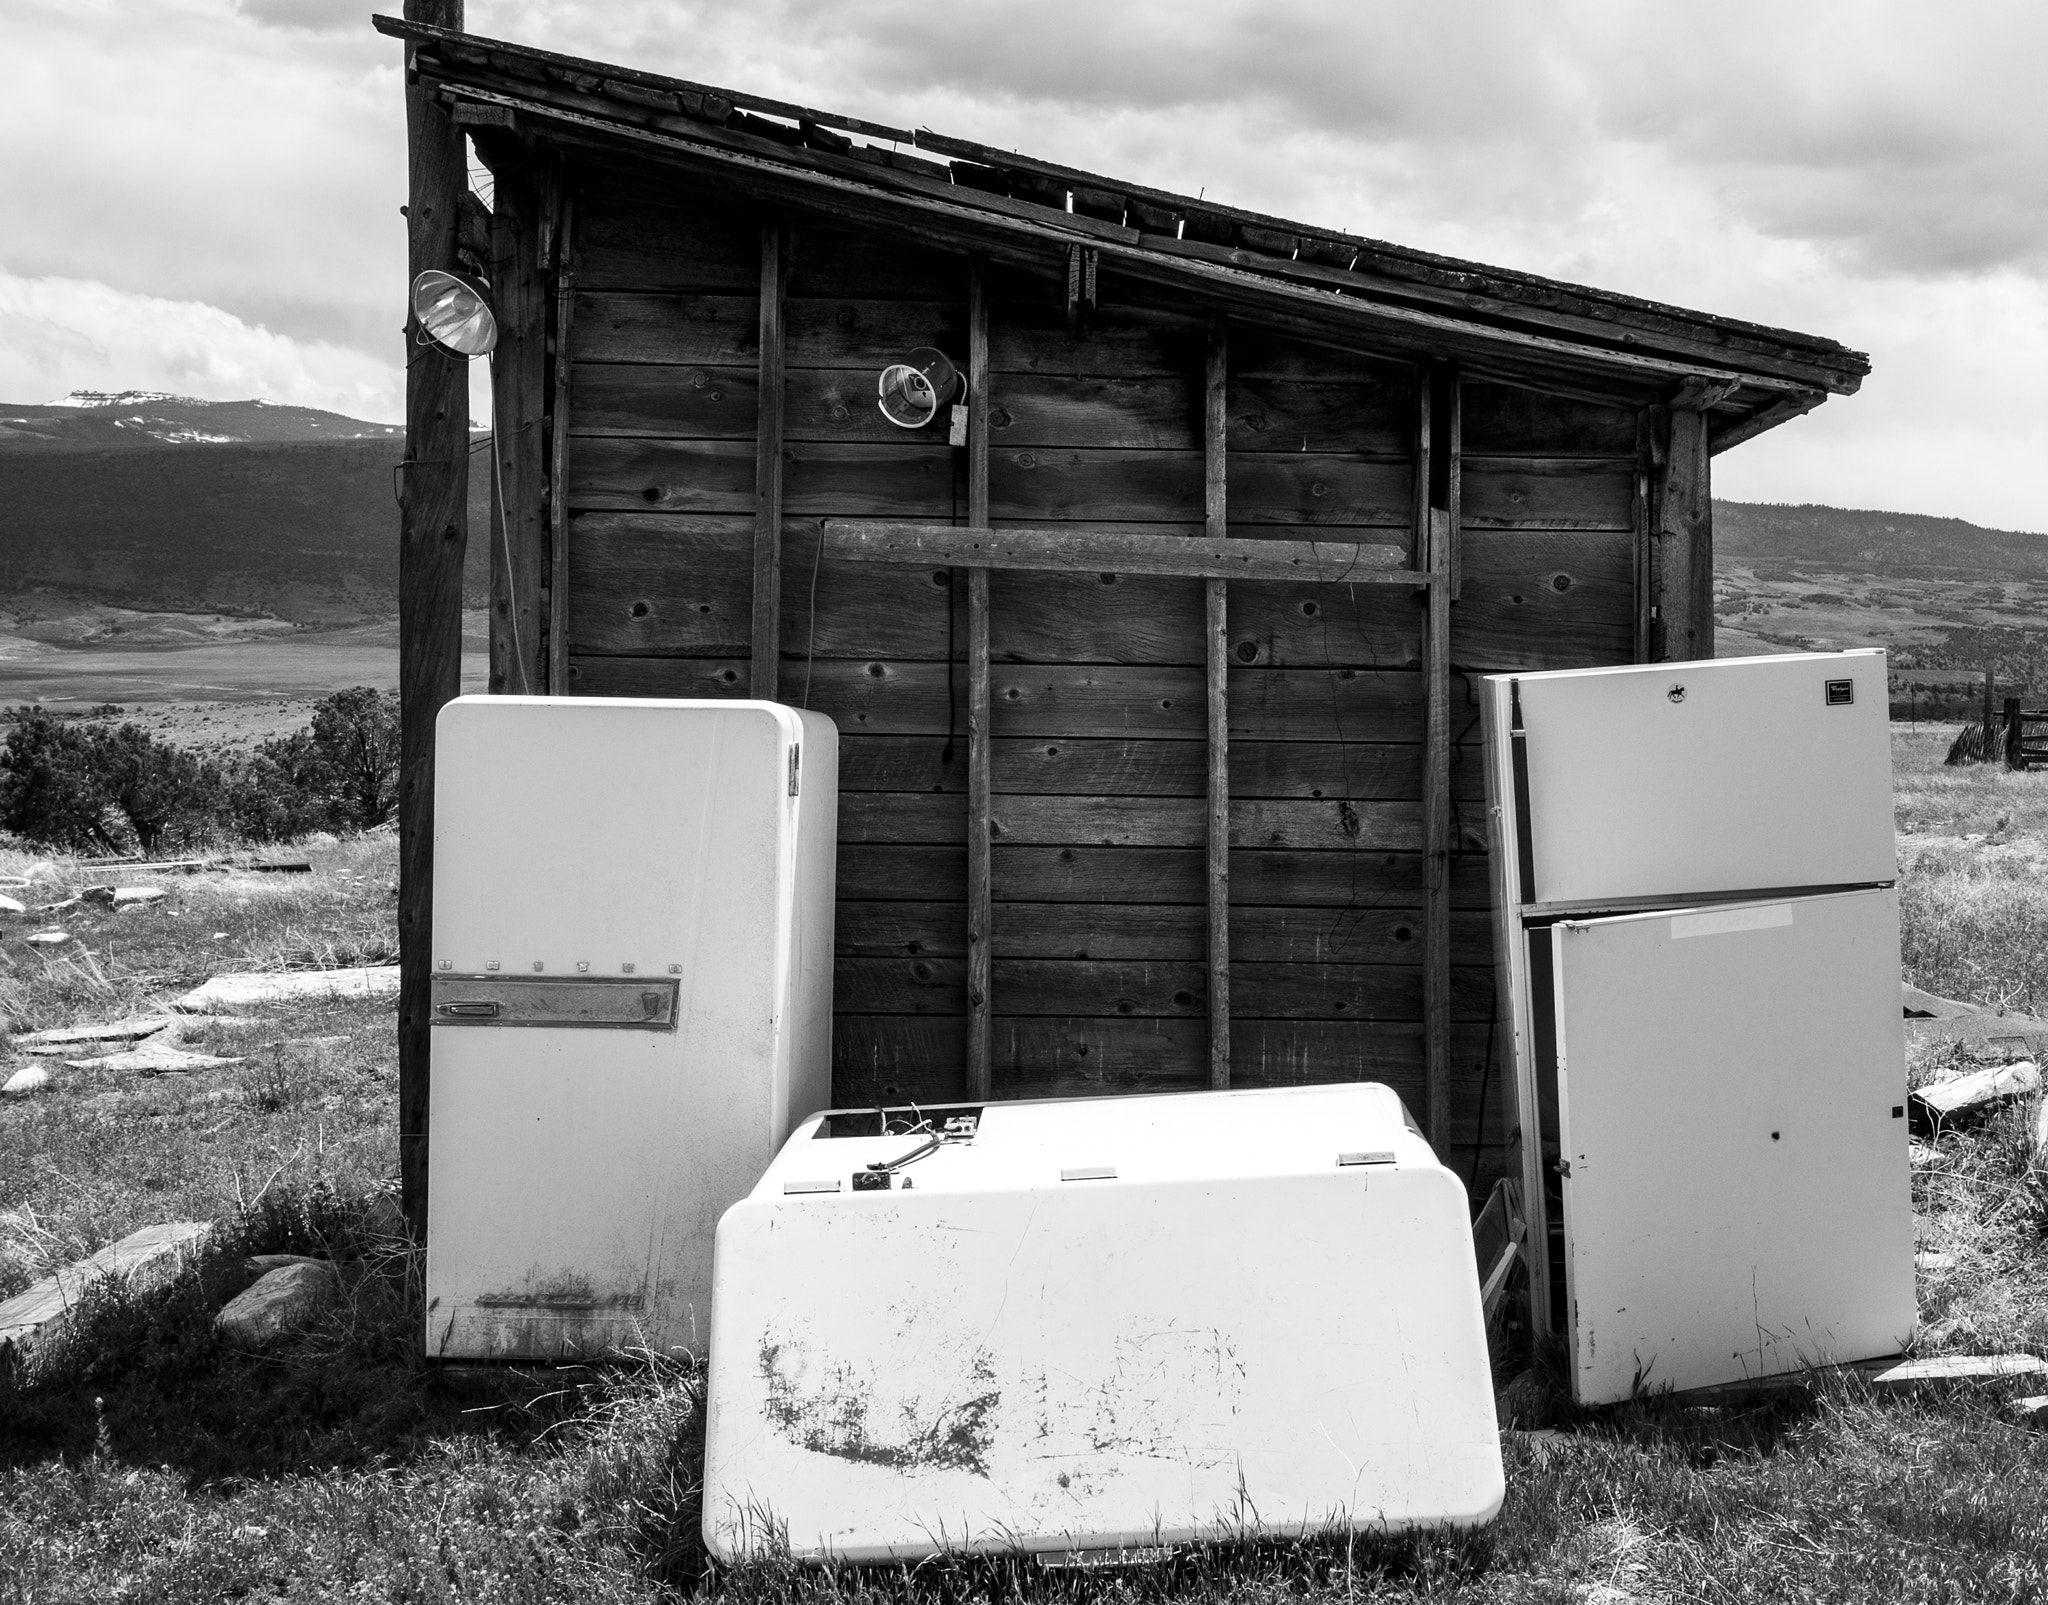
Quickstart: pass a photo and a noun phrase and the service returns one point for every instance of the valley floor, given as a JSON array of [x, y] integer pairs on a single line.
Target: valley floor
[[158, 1466]]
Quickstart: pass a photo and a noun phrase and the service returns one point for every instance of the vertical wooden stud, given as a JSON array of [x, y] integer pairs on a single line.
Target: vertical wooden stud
[[517, 537], [1216, 666], [768, 471], [558, 447], [1439, 471], [1640, 521], [433, 532], [1685, 534], [980, 899]]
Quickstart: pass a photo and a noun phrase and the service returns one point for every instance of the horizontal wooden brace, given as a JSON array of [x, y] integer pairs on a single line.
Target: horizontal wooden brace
[[1076, 548]]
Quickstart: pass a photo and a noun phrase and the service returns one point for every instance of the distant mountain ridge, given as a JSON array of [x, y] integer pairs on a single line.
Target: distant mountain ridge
[[1852, 541], [97, 419], [166, 504]]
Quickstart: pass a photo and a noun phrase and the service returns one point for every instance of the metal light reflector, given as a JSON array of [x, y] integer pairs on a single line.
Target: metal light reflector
[[913, 391], [453, 313]]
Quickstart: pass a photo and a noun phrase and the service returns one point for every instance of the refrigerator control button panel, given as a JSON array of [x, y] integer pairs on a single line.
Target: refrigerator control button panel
[[625, 1003]]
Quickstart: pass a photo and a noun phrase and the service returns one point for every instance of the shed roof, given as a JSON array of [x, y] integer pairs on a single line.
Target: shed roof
[[1338, 287]]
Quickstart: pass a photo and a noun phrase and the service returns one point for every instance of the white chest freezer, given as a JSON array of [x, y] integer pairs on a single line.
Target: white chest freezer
[[1098, 1324], [632, 940]]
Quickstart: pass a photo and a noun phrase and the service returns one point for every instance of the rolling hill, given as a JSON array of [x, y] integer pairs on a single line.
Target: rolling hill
[[243, 508]]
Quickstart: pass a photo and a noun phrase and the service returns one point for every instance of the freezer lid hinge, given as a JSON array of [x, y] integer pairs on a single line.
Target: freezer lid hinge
[[796, 758]]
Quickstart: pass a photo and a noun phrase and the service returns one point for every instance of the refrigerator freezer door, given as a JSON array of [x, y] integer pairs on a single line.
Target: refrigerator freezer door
[[631, 939], [1685, 779], [1731, 1092]]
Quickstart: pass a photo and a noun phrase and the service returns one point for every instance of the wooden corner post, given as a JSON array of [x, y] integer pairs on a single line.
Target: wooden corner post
[[1216, 677], [433, 530], [980, 897], [767, 633], [1682, 527], [1437, 474]]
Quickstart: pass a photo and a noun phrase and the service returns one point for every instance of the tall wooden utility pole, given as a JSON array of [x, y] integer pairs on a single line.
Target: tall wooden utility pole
[[433, 529]]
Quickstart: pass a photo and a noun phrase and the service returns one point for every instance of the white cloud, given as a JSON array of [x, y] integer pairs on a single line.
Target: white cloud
[[59, 334], [1872, 170]]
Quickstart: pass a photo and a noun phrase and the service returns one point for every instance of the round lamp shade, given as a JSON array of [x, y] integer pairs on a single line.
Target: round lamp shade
[[913, 391], [453, 313]]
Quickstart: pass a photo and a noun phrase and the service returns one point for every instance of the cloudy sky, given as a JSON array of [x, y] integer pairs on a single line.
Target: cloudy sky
[[202, 195]]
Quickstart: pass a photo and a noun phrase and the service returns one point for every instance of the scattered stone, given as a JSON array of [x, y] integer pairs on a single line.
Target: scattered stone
[[153, 1059], [1978, 1091], [1920, 1153], [133, 1029], [141, 1262], [263, 1264], [30, 1078], [47, 938], [383, 1215], [281, 1302], [1933, 1261], [2033, 1411], [137, 896], [228, 992], [9, 905], [1543, 1442]]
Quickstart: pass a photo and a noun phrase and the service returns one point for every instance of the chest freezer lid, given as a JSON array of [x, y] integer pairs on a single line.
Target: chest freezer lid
[[1699, 779], [1281, 1131]]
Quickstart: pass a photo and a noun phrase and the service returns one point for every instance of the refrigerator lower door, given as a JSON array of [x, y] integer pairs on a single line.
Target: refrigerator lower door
[[1737, 1200]]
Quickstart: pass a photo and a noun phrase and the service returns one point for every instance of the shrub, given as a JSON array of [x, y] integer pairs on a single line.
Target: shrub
[[89, 789], [85, 787], [347, 758]]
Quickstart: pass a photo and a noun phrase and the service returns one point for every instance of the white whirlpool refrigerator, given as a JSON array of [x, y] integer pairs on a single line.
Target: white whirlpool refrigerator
[[1697, 932], [632, 1006]]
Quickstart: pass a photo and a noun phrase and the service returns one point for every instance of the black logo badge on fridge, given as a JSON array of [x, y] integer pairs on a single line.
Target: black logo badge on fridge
[[1841, 693]]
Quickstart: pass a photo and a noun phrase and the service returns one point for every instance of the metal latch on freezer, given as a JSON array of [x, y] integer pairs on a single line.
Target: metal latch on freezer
[[617, 1003]]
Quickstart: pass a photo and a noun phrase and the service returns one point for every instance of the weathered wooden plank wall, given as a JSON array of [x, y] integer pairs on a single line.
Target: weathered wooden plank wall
[[1097, 756]]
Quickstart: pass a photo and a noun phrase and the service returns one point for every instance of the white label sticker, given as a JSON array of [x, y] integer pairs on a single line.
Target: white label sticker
[[1723, 921]]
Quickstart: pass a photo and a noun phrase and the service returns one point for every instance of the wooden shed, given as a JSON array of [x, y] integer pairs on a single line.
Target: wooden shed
[[1154, 667]]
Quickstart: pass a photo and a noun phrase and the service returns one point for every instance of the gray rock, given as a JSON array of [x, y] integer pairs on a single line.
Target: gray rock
[[281, 1302], [31, 1078], [9, 905], [137, 896], [47, 938]]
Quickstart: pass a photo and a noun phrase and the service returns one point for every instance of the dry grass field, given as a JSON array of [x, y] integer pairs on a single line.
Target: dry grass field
[[152, 1464]]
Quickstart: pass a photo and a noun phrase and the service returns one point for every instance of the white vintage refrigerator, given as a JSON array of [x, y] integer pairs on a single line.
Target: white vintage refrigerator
[[1697, 929], [631, 1006], [1097, 1325]]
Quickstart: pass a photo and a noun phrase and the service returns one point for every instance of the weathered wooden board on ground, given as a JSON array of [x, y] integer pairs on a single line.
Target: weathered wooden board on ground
[[34, 1320]]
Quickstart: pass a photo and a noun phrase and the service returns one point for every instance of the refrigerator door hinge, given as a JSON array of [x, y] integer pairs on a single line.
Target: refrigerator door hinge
[[796, 758]]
